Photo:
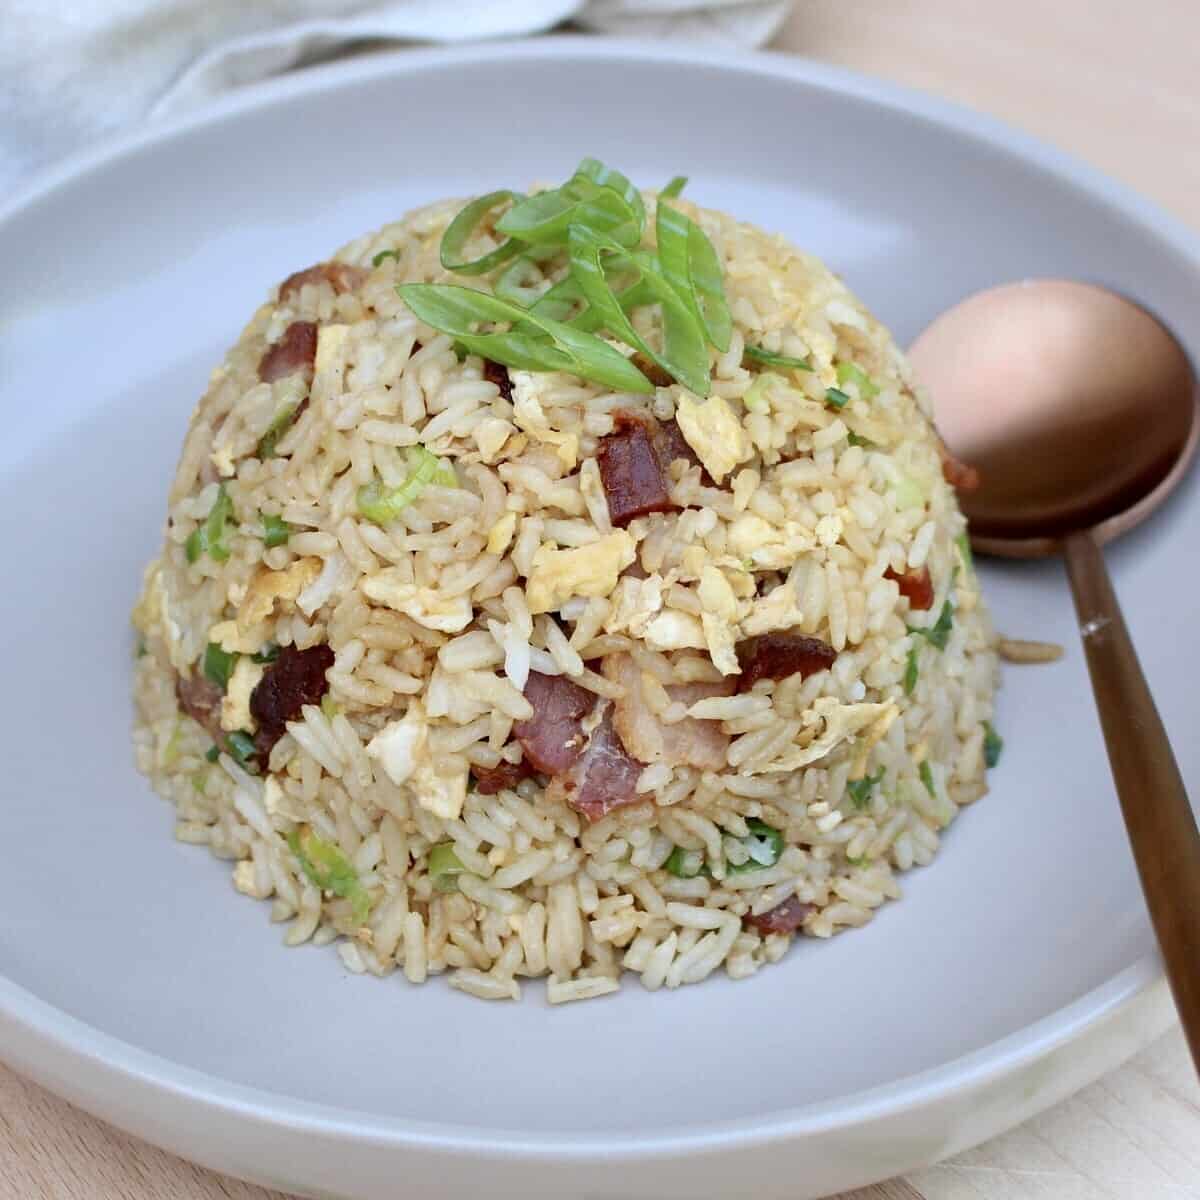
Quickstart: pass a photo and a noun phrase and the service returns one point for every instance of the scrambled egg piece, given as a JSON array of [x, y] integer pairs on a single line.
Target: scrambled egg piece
[[529, 415], [674, 630], [329, 365], [768, 548], [235, 706], [234, 640], [445, 614], [718, 619], [490, 435], [557, 575], [841, 721], [501, 534], [267, 586], [153, 609], [778, 609], [634, 605], [402, 749], [714, 432]]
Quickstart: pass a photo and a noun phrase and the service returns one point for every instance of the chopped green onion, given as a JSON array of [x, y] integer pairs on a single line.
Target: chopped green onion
[[606, 208], [278, 427], [685, 864], [836, 397], [771, 359], [328, 869], [218, 665], [241, 748], [445, 867], [329, 706], [859, 790], [212, 753], [199, 778], [459, 232], [926, 773], [857, 862], [993, 744], [381, 504], [385, 254], [764, 844], [755, 399], [848, 372], [209, 537], [907, 493], [171, 749], [276, 530], [854, 440], [268, 654], [691, 266], [673, 188], [684, 354], [456, 310], [963, 542], [938, 634], [140, 652], [911, 669], [593, 169]]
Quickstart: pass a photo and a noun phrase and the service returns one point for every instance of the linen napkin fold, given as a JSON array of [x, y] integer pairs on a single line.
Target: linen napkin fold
[[76, 70]]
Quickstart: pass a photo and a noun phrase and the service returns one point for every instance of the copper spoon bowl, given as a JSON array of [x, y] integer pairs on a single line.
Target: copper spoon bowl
[[1081, 413]]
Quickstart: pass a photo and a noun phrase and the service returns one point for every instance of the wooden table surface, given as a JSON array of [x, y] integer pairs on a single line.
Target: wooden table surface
[[1118, 84]]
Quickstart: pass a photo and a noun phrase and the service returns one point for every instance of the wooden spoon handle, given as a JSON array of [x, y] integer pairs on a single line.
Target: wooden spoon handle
[[1162, 827]]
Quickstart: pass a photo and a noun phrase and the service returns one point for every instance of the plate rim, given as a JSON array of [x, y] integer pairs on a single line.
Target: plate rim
[[31, 1027]]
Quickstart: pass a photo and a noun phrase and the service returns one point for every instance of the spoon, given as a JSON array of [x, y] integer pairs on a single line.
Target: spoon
[[1080, 413]]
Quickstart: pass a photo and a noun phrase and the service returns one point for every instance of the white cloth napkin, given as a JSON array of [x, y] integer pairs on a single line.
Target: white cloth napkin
[[75, 70]]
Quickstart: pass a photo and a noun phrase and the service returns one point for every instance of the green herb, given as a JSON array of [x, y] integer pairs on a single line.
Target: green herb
[[326, 868], [458, 310], [938, 634], [385, 254], [444, 867], [381, 504], [276, 530], [855, 440], [857, 862], [241, 749], [911, 669], [993, 744], [771, 359], [596, 172], [595, 198], [848, 372], [755, 399], [684, 353], [141, 648], [926, 773], [836, 397], [963, 542], [212, 753], [685, 864], [459, 232], [329, 706], [218, 665], [693, 269], [765, 845], [279, 425], [209, 537], [673, 188], [859, 790], [268, 654], [199, 778]]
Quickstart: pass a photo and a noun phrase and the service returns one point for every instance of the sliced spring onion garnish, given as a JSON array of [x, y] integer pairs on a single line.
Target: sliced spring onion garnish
[[859, 790], [382, 504], [278, 427], [912, 668], [276, 530], [855, 440], [938, 634], [444, 867], [212, 753], [602, 176], [764, 845], [329, 706], [458, 310], [848, 372], [963, 542], [756, 398], [383, 255], [268, 654], [772, 359], [693, 269], [209, 537], [993, 744], [241, 748], [218, 665], [836, 397], [685, 864], [545, 217], [328, 869], [926, 773], [673, 188], [459, 231]]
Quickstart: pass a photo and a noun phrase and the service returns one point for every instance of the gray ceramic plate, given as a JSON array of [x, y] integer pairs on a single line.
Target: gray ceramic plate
[[137, 983]]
